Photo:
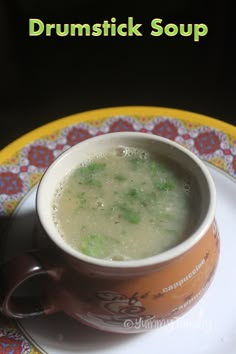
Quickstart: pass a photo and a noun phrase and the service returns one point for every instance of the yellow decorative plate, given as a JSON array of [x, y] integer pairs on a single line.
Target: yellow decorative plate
[[23, 162]]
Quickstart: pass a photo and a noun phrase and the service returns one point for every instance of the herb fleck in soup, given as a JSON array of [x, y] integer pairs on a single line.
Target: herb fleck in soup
[[127, 204]]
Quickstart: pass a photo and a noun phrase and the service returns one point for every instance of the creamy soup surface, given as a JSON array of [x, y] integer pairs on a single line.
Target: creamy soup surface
[[127, 204]]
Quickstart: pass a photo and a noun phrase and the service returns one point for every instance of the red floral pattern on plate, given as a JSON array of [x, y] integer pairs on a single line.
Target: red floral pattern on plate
[[166, 129], [207, 143], [13, 342], [10, 183], [76, 135], [9, 346], [40, 156], [121, 125]]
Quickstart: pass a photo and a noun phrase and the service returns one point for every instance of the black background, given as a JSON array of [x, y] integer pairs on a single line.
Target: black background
[[46, 78]]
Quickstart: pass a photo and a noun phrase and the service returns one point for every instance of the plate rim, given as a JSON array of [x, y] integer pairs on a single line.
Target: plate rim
[[100, 113]]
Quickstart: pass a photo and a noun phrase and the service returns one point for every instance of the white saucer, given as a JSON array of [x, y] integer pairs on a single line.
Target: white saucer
[[209, 328]]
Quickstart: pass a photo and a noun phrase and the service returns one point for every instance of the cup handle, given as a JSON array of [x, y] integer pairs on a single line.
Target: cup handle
[[18, 270]]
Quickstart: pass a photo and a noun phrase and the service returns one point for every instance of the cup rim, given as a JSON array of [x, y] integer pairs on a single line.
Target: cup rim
[[162, 257]]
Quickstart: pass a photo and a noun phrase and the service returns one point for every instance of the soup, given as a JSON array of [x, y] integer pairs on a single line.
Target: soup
[[127, 204]]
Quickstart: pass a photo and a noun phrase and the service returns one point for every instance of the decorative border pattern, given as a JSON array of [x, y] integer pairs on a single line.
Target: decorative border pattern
[[13, 342], [24, 168]]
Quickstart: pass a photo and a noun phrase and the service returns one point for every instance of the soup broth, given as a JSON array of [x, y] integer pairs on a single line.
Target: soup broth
[[127, 204]]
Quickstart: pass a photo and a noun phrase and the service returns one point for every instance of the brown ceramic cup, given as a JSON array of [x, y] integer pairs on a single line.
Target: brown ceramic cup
[[117, 296]]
